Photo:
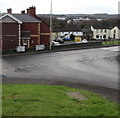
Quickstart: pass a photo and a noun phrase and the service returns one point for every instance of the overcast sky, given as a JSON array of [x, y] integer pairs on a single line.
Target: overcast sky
[[62, 6]]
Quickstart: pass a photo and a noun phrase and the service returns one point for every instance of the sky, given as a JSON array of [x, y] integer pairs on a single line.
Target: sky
[[62, 6]]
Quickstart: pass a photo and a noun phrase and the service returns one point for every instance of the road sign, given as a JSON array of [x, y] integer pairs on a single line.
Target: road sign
[[40, 47], [20, 49]]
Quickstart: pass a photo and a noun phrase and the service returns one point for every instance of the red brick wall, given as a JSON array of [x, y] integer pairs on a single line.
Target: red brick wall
[[9, 28], [0, 44], [44, 39], [9, 43], [9, 36], [33, 42], [44, 28], [32, 27]]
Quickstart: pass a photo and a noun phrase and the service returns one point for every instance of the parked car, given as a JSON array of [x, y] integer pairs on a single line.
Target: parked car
[[84, 41], [105, 39], [59, 40], [68, 39], [54, 43]]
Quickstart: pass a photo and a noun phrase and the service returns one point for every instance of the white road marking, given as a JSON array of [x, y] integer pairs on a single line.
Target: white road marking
[[94, 58], [116, 48]]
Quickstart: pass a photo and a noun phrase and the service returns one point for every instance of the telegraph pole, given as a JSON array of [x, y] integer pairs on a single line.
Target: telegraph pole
[[50, 24]]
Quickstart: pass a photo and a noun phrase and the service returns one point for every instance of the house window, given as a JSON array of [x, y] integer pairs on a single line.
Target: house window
[[101, 30], [97, 30], [25, 34], [104, 36], [114, 31], [114, 36], [105, 31], [97, 36]]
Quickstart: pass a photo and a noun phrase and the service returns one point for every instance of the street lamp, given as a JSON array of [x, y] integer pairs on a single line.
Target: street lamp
[[50, 24]]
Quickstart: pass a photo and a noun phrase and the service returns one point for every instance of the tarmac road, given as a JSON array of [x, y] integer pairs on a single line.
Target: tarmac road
[[92, 69]]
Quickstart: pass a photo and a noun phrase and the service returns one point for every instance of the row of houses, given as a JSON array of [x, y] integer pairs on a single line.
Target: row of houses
[[23, 29], [93, 33], [28, 29], [66, 33]]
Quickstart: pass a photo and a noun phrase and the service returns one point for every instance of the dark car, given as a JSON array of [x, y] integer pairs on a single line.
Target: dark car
[[59, 40]]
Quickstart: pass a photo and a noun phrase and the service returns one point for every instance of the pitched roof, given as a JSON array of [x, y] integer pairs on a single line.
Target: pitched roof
[[106, 27], [11, 16], [43, 19], [118, 25], [97, 26], [26, 18]]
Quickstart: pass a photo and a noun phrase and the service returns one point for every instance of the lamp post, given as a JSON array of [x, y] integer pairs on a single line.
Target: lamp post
[[50, 24]]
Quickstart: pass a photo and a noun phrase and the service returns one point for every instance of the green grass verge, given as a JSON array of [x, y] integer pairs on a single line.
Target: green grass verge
[[110, 42], [46, 100]]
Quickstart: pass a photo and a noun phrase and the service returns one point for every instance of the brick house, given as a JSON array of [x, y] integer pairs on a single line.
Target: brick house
[[23, 29], [9, 31]]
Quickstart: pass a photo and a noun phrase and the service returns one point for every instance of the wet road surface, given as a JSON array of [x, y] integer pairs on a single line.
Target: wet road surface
[[91, 69]]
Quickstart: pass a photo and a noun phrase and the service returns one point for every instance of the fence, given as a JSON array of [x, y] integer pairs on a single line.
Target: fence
[[78, 46]]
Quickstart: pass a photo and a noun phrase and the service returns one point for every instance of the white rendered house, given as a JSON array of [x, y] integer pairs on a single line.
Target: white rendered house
[[115, 33], [105, 32], [100, 33]]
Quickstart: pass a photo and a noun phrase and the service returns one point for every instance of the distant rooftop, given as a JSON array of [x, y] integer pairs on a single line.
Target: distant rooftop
[[97, 26]]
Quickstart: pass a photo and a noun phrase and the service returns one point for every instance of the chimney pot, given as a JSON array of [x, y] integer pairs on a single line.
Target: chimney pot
[[9, 11], [28, 11], [32, 11], [23, 12]]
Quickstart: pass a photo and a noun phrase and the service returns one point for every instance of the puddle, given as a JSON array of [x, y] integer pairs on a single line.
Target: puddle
[[23, 70]]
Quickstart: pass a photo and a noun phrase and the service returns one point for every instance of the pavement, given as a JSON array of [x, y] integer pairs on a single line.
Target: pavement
[[95, 70], [54, 50]]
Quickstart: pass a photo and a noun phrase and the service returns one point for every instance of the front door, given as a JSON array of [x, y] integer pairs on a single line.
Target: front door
[[26, 43]]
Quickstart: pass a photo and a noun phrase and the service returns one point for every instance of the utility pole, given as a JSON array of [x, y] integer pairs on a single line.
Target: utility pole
[[50, 24]]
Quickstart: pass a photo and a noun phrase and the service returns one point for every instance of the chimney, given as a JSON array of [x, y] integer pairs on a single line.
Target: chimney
[[28, 11], [9, 11], [32, 11], [23, 12]]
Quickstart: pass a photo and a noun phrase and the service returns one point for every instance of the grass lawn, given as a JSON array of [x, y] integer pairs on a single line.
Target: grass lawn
[[110, 42], [49, 100]]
